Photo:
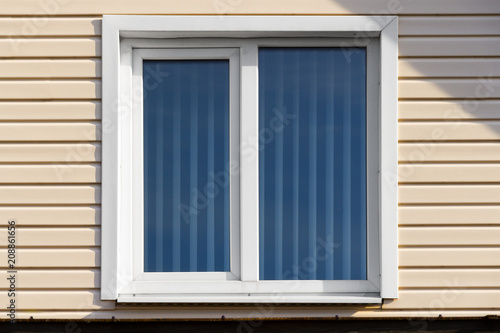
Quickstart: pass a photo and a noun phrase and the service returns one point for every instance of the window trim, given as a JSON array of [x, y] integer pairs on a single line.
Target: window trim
[[117, 64]]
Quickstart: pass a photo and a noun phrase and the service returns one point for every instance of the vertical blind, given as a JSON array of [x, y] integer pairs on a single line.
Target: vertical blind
[[186, 157], [312, 186]]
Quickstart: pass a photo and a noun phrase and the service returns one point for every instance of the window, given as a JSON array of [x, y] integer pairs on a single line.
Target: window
[[249, 159]]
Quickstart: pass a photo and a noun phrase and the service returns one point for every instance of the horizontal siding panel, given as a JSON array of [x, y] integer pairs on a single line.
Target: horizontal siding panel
[[324, 7], [445, 299], [50, 110], [456, 88], [24, 131], [449, 215], [48, 89], [449, 278], [448, 173], [54, 173], [86, 236], [49, 26], [76, 152], [449, 46], [421, 236], [449, 257], [50, 47], [33, 258], [55, 68], [58, 300], [468, 25], [50, 194], [444, 131], [449, 67], [449, 110], [423, 194], [447, 152], [239, 313], [54, 279], [51, 216]]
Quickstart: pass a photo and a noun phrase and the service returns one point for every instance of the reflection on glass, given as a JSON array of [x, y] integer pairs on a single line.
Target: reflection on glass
[[313, 163], [186, 164]]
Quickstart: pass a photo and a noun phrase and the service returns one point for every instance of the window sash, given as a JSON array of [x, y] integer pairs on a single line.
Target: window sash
[[312, 114], [139, 55]]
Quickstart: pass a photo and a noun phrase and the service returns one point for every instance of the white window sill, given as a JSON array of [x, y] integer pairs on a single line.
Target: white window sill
[[369, 298]]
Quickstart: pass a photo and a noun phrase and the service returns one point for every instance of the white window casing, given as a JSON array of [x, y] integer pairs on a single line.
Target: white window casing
[[129, 39]]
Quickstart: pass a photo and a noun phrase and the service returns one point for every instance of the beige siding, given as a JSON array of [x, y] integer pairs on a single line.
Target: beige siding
[[55, 236], [449, 194], [54, 279], [23, 47], [447, 278], [448, 173], [449, 257], [54, 258], [53, 26], [440, 26], [59, 300], [452, 236], [449, 215], [49, 194], [445, 89], [51, 216], [279, 7], [449, 153], [446, 67], [53, 173], [450, 110], [54, 68], [449, 131], [242, 313], [447, 298], [46, 131], [39, 152], [48, 110], [50, 89], [449, 46]]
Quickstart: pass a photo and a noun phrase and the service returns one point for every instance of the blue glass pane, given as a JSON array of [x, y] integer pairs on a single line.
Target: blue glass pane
[[312, 114], [186, 165]]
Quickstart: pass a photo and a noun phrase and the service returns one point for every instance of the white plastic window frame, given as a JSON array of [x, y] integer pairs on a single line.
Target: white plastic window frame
[[122, 278]]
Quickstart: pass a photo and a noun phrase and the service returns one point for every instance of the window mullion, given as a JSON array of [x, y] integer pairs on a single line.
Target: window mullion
[[249, 164]]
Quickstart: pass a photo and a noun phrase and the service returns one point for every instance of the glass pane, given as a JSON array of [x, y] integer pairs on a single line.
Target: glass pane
[[312, 163], [186, 164]]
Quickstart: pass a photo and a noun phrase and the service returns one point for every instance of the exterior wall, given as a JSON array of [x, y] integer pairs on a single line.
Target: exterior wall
[[449, 152]]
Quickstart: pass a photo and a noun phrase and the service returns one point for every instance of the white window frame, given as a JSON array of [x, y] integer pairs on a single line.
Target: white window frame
[[129, 39]]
